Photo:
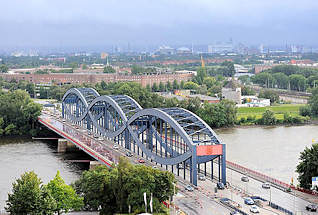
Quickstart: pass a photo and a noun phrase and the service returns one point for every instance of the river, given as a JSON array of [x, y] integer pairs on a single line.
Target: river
[[270, 150], [18, 156], [273, 151]]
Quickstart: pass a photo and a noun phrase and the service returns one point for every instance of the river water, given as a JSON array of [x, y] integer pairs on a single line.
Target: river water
[[18, 156], [270, 150], [273, 151]]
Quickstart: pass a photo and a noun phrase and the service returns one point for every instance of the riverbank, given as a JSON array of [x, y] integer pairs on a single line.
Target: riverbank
[[278, 110]]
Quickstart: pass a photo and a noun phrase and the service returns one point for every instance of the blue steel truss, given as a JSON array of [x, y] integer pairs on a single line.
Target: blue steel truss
[[167, 136]]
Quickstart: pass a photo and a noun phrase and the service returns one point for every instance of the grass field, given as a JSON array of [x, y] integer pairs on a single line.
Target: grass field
[[279, 111]]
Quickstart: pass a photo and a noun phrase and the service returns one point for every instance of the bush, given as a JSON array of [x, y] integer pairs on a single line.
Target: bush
[[251, 118], [288, 119], [268, 118], [242, 120], [305, 110]]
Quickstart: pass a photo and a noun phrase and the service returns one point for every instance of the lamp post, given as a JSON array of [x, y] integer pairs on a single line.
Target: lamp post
[[270, 195], [231, 186]]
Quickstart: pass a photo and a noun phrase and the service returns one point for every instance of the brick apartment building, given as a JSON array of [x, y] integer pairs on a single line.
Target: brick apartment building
[[67, 78]]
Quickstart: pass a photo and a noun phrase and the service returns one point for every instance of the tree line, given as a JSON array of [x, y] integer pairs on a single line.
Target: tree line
[[18, 113], [144, 96], [288, 77]]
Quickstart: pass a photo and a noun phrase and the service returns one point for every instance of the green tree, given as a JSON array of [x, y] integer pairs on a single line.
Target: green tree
[[155, 87], [168, 86], [269, 94], [64, 195], [175, 85], [247, 91], [30, 88], [161, 87], [148, 87], [191, 104], [209, 82], [218, 115], [228, 69], [268, 118], [308, 166], [281, 80], [264, 79], [28, 197], [1, 126], [182, 84], [191, 85], [118, 179], [3, 68], [313, 102], [201, 74], [297, 82], [245, 79], [137, 70], [109, 69], [112, 190], [95, 186]]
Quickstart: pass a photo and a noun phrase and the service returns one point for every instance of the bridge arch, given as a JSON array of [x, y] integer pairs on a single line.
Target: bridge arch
[[172, 137]]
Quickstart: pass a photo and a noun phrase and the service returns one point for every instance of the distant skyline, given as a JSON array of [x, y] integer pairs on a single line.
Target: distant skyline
[[146, 23]]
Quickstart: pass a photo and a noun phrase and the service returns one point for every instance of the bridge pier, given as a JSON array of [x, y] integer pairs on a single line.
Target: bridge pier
[[94, 164], [64, 145]]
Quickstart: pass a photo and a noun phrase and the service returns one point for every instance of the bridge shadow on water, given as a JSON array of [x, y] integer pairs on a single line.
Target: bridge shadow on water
[[76, 159]]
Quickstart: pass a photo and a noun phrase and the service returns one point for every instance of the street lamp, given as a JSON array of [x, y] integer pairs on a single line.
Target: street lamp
[[270, 195], [231, 185]]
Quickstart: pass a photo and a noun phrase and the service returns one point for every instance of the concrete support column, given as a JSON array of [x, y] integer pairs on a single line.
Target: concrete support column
[[223, 164], [64, 145], [94, 164], [61, 145], [194, 161]]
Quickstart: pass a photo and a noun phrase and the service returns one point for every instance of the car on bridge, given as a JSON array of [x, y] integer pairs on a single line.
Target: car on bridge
[[235, 213], [116, 147], [245, 179], [129, 154], [311, 207], [266, 186], [220, 186], [141, 161], [189, 188], [201, 177], [249, 201], [254, 209]]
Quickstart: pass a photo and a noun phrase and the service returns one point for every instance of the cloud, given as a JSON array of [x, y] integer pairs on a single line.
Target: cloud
[[156, 21]]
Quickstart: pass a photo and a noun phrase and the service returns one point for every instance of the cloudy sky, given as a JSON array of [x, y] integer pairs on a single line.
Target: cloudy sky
[[52, 23]]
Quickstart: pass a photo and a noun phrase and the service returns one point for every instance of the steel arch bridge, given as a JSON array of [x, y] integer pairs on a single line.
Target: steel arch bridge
[[172, 137]]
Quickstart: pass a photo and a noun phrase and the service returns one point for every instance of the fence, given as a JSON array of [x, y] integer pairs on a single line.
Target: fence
[[280, 208], [266, 178]]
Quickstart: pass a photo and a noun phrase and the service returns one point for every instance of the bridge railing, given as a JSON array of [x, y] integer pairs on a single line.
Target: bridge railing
[[266, 178], [259, 175]]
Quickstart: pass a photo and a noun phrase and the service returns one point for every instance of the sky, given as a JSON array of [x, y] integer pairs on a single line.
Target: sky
[[92, 23]]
